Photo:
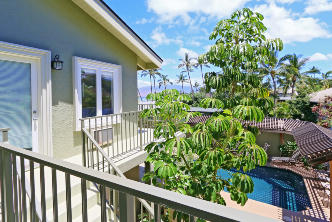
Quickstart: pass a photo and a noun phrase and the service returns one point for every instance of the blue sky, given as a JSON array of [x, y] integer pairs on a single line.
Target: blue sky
[[173, 27]]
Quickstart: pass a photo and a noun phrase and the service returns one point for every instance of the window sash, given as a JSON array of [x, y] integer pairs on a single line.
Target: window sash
[[100, 68]]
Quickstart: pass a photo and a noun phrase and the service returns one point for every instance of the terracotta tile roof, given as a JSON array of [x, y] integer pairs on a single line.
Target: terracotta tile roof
[[269, 123], [198, 119], [314, 141]]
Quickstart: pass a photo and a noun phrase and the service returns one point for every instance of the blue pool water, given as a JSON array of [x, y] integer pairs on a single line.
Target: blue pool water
[[277, 187]]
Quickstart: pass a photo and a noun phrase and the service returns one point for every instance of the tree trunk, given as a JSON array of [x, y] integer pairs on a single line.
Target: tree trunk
[[191, 86], [154, 85], [233, 87], [182, 89], [139, 94], [151, 84], [202, 75], [274, 95], [274, 91], [293, 88]]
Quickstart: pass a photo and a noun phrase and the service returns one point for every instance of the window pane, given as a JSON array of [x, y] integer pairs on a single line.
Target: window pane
[[88, 93], [107, 93]]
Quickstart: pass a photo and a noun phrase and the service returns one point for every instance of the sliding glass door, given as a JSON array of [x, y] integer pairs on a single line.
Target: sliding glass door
[[16, 102]]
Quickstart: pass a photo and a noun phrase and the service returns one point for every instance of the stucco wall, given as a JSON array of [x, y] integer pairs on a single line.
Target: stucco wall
[[63, 28], [274, 140]]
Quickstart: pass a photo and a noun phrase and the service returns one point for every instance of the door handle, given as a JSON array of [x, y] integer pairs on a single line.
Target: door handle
[[34, 115]]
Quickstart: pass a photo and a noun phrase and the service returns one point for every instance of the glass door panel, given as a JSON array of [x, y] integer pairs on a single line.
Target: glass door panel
[[107, 92], [15, 102], [89, 92]]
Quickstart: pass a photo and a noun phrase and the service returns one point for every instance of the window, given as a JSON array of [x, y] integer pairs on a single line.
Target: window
[[97, 88]]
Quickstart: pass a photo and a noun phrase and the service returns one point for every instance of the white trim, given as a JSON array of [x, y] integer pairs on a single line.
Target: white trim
[[40, 61], [78, 64], [108, 20]]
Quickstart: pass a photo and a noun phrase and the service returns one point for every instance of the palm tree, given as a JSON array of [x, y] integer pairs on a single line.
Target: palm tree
[[326, 80], [187, 64], [152, 73], [200, 64], [182, 79], [272, 68], [164, 81], [196, 86], [293, 68]]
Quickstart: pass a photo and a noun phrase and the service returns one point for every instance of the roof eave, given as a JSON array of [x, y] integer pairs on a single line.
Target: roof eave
[[105, 16]]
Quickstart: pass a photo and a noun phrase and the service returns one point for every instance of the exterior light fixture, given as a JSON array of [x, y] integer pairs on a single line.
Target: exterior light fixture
[[56, 63]]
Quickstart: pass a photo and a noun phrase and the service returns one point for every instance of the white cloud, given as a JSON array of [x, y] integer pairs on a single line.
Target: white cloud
[[168, 62], [160, 38], [194, 43], [182, 51], [207, 48], [142, 83], [171, 9], [320, 57], [284, 24], [144, 21], [315, 6], [286, 1]]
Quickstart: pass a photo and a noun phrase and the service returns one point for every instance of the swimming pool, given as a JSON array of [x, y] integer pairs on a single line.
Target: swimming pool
[[277, 187]]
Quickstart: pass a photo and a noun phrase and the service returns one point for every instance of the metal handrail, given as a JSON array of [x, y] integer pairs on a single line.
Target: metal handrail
[[186, 204], [115, 168]]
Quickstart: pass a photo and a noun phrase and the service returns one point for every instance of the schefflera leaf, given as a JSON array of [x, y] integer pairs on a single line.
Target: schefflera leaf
[[164, 170], [242, 182], [251, 113], [259, 154]]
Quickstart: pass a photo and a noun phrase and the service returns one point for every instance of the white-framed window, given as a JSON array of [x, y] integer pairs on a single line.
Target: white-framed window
[[97, 88]]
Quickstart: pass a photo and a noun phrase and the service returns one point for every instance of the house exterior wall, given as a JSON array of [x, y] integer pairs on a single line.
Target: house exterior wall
[[272, 138], [63, 28]]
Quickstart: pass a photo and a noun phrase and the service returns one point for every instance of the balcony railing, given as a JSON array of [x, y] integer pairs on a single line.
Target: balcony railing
[[15, 206], [117, 134]]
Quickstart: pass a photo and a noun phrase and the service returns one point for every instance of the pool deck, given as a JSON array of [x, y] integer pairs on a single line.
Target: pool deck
[[318, 212]]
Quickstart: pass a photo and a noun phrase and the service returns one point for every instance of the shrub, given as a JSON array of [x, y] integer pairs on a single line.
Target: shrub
[[288, 148]]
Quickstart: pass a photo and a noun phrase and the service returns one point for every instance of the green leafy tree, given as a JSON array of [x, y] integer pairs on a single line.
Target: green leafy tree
[[196, 86], [327, 82], [240, 48], [190, 163], [282, 110], [200, 64], [294, 66], [182, 79], [301, 108], [152, 74], [187, 63], [164, 81], [272, 68]]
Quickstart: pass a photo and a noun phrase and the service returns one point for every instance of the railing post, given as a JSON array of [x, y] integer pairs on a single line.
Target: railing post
[[7, 187], [127, 207], [141, 132], [4, 134], [157, 217]]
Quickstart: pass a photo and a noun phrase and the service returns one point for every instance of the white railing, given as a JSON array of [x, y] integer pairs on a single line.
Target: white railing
[[111, 136], [143, 106], [13, 204], [105, 164], [117, 134]]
